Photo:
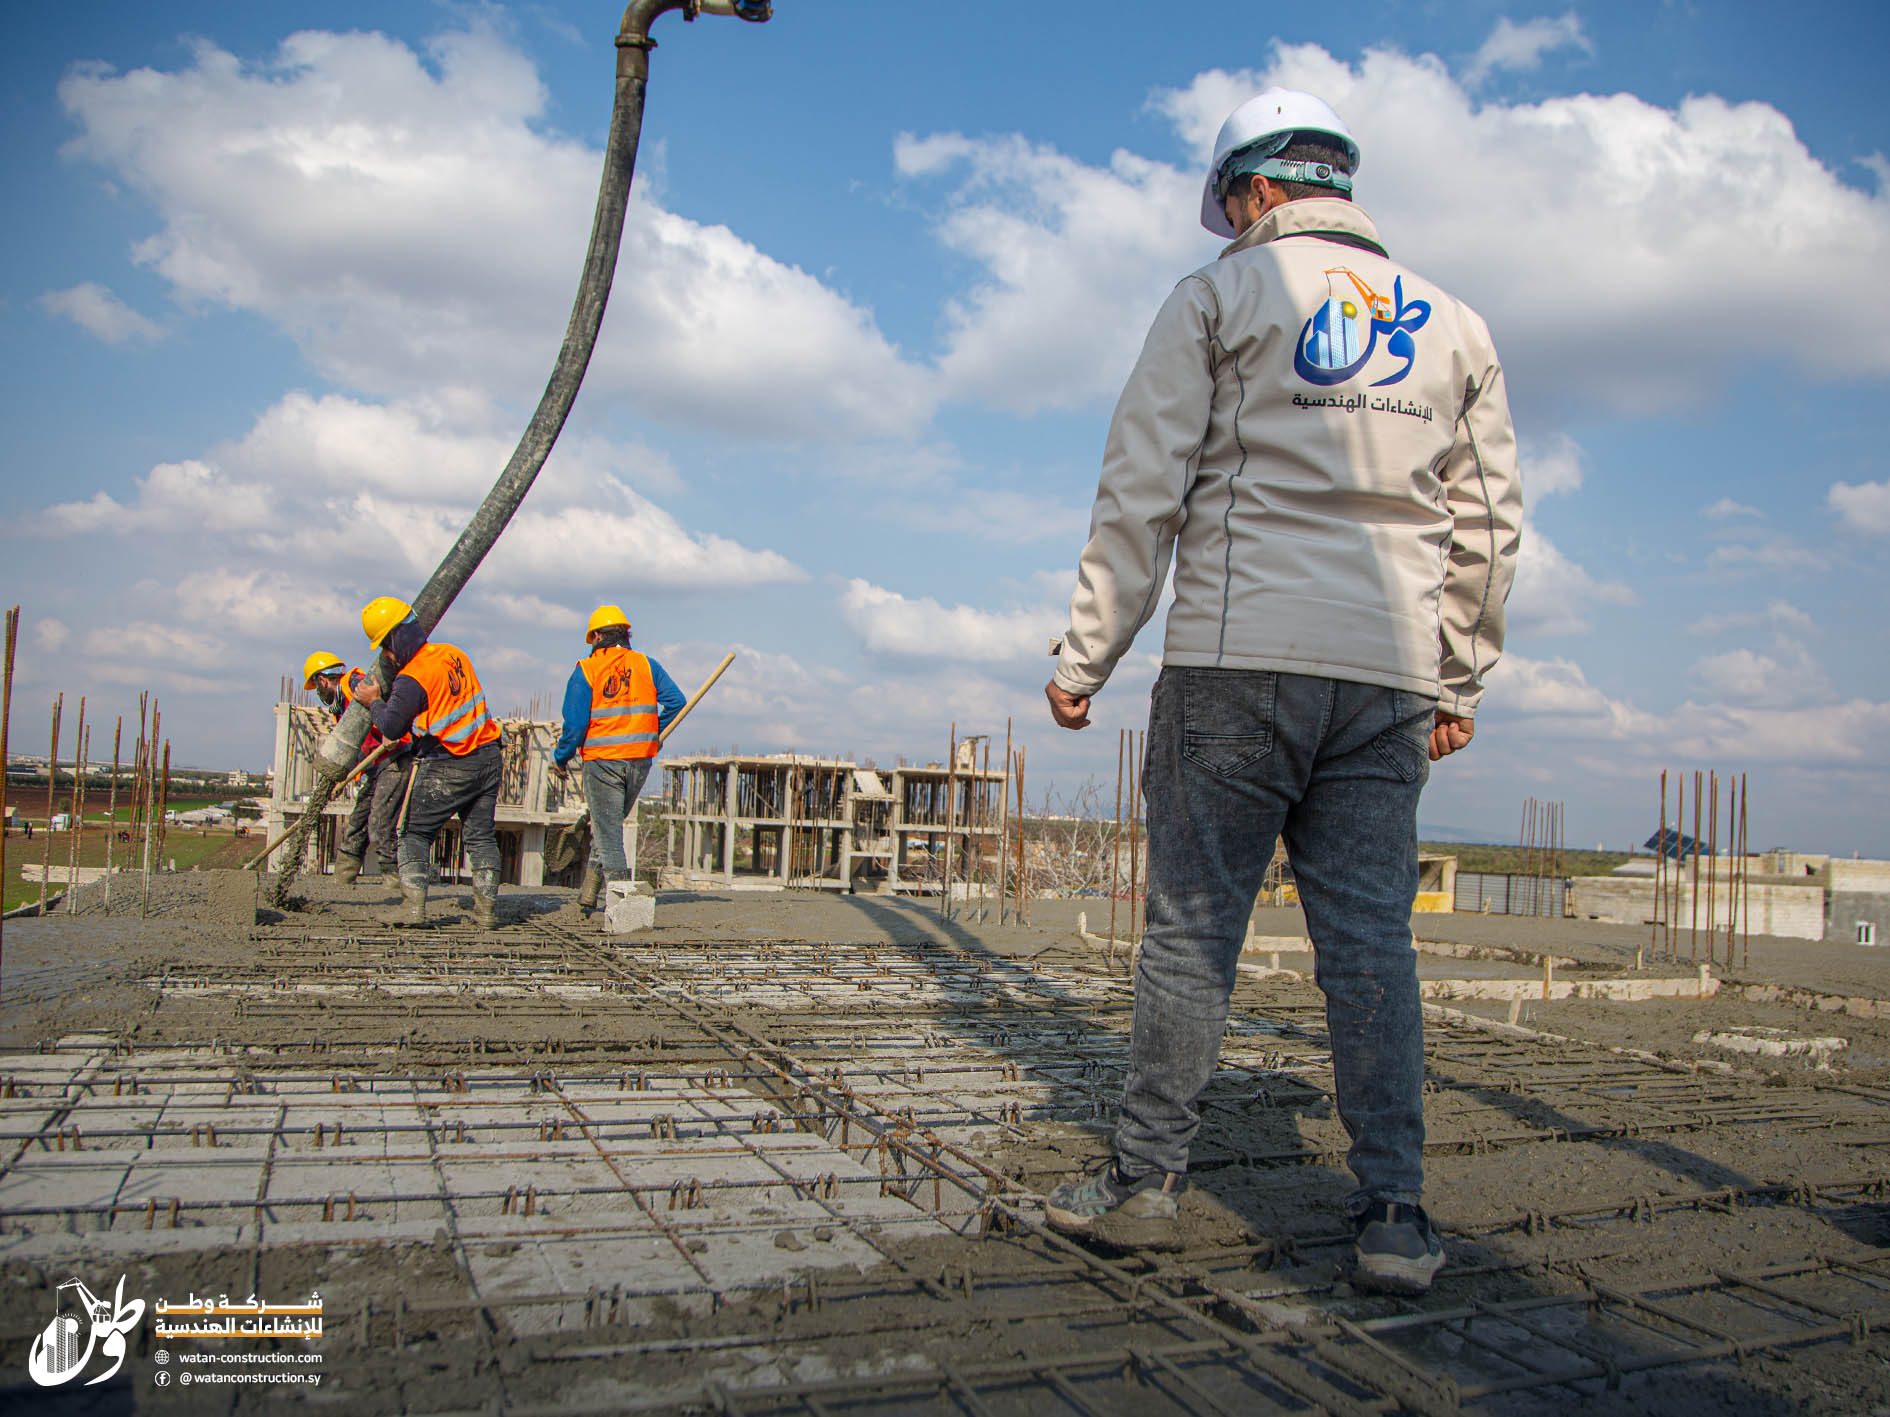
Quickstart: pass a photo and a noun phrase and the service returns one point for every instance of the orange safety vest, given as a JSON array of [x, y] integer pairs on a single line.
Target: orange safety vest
[[456, 704], [623, 705]]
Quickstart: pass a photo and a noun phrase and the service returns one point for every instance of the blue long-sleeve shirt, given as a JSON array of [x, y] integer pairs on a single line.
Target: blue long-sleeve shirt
[[577, 707]]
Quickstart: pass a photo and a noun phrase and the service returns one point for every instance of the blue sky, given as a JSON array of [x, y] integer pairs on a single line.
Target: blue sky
[[283, 282]]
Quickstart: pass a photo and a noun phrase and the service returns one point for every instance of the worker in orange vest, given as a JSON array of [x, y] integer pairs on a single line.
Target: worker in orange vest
[[373, 819], [616, 704], [437, 697]]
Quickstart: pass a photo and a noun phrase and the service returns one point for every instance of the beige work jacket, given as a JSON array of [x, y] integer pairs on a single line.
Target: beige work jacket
[[1320, 440]]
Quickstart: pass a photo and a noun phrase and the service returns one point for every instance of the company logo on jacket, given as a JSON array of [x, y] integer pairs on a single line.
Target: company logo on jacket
[[1341, 337]]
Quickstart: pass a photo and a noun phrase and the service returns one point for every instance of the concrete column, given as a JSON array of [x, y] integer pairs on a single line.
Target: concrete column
[[531, 855], [728, 824]]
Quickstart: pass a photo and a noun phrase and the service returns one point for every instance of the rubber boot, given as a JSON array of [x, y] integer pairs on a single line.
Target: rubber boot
[[486, 898], [591, 888], [347, 869], [413, 902]]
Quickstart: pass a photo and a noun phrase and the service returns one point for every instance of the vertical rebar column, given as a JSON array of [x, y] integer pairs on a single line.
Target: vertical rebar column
[[78, 814], [6, 718], [1115, 839], [1693, 934], [164, 802], [1732, 867], [52, 779], [1660, 871], [72, 815], [111, 811], [1712, 867], [1021, 915], [150, 802], [1745, 910], [984, 822], [951, 812], [134, 821], [1004, 825], [1135, 833]]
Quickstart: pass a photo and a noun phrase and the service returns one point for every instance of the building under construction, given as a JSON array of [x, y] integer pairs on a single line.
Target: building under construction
[[830, 823]]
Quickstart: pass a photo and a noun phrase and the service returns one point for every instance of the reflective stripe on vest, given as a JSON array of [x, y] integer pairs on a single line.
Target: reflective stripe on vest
[[456, 703], [623, 705]]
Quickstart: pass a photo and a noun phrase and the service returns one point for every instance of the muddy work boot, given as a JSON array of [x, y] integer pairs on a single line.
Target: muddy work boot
[[347, 869], [1397, 1251], [413, 903], [590, 888], [1136, 1213], [486, 899]]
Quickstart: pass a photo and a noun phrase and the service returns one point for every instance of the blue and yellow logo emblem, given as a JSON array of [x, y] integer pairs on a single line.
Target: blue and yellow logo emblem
[[1340, 338]]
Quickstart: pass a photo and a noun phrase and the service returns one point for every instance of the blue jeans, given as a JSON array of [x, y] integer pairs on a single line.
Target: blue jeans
[[611, 786], [1235, 759]]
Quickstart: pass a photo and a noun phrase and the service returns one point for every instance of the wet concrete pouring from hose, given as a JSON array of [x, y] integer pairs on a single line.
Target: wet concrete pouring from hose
[[786, 1154]]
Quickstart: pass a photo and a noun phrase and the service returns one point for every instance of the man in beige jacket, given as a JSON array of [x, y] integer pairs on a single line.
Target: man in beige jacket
[[1320, 441]]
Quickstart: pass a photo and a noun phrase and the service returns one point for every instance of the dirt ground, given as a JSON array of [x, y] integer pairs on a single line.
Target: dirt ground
[[1708, 1227]]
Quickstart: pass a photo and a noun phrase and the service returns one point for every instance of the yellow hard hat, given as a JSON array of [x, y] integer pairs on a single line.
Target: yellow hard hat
[[380, 615], [606, 616], [319, 663]]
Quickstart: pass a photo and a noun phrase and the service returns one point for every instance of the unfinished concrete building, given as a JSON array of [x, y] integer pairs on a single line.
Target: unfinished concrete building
[[830, 823], [532, 802]]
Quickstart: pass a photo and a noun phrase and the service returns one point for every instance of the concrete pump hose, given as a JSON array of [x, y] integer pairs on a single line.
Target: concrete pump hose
[[342, 746]]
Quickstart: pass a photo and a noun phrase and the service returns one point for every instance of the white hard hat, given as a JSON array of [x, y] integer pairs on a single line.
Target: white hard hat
[[1275, 114]]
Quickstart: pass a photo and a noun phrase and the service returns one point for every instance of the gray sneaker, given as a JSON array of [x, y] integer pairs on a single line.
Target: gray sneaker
[[1139, 1213], [1397, 1250]]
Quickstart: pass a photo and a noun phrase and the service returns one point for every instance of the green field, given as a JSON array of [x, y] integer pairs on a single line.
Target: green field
[[1515, 861], [189, 847]]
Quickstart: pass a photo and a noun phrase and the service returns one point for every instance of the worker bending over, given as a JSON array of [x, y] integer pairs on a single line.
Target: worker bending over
[[377, 803], [437, 696], [616, 705], [1319, 439]]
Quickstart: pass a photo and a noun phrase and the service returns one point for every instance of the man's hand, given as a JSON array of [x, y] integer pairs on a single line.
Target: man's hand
[[1450, 734], [1066, 708], [369, 693], [562, 773]]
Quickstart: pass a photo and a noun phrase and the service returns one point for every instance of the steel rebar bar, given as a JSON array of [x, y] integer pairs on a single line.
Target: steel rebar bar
[[6, 719], [52, 780]]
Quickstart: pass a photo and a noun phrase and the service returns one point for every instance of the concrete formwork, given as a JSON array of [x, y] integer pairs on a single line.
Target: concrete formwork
[[761, 1167]]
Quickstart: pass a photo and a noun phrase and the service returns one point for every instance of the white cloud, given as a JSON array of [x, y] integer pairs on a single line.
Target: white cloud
[[1550, 466], [1764, 724], [1778, 555], [1864, 507], [1726, 508], [264, 602], [376, 495], [1552, 593], [998, 515], [411, 223], [187, 496], [50, 634], [1077, 259], [100, 313], [1521, 46], [525, 609], [1740, 674], [169, 644], [1781, 613], [890, 623]]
